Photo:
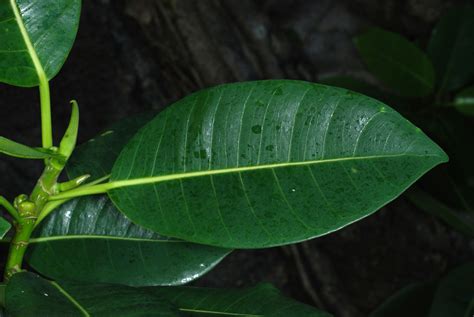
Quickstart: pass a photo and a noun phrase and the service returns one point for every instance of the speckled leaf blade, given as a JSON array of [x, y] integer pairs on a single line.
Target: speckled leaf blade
[[267, 163], [28, 295], [89, 240], [262, 300], [397, 62], [451, 48], [49, 25]]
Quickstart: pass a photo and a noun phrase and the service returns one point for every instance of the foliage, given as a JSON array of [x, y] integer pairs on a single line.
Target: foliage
[[155, 203]]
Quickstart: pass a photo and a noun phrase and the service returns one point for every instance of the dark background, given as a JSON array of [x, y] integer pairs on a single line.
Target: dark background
[[140, 55]]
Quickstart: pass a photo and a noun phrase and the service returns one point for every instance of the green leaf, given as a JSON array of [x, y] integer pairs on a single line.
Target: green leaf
[[15, 149], [397, 62], [464, 101], [267, 163], [263, 300], [5, 226], [97, 156], [451, 48], [29, 295], [411, 301], [89, 240], [35, 38], [455, 293]]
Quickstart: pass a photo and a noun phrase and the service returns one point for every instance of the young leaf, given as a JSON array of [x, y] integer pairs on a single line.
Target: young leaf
[[28, 295], [15, 149], [451, 48], [267, 163], [89, 240], [455, 293], [261, 301], [464, 101], [412, 301], [35, 38], [397, 62]]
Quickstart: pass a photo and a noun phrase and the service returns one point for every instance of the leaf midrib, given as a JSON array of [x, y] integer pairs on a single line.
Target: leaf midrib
[[26, 38], [103, 188], [104, 237], [71, 299]]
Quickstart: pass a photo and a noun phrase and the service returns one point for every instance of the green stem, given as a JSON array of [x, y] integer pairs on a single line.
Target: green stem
[[46, 123], [11, 210], [28, 210]]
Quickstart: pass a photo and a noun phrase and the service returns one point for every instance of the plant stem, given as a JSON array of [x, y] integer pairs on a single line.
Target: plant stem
[[46, 123], [28, 210]]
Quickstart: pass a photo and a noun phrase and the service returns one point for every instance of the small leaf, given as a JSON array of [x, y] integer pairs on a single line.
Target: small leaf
[[451, 48], [261, 301], [411, 301], [15, 149], [464, 101], [35, 38], [397, 62], [5, 226], [267, 163], [455, 293], [28, 295], [89, 240]]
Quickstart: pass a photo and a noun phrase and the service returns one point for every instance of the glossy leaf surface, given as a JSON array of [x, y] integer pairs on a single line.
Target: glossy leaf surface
[[35, 37], [412, 301], [397, 62], [451, 48], [89, 240], [266, 163], [29, 295], [455, 293], [261, 301], [129, 254], [15, 149]]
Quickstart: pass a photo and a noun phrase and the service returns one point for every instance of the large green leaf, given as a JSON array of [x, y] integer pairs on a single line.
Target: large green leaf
[[261, 301], [35, 38], [451, 48], [412, 301], [89, 240], [266, 163], [455, 293], [29, 295], [397, 62], [91, 230], [15, 149]]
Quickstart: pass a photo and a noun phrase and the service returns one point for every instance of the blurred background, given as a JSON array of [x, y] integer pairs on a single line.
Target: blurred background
[[133, 56]]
